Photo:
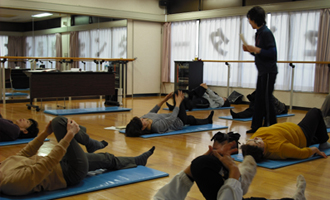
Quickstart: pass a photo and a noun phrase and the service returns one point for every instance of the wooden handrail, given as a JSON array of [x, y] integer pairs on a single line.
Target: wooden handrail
[[251, 61], [23, 58]]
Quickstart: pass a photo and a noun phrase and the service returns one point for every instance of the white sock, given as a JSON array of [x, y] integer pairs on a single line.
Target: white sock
[[301, 186], [248, 169], [324, 146]]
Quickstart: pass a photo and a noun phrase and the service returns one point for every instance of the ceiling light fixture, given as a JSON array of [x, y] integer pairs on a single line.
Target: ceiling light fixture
[[42, 15]]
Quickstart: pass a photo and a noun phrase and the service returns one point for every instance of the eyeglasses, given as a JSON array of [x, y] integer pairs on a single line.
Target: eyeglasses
[[255, 141]]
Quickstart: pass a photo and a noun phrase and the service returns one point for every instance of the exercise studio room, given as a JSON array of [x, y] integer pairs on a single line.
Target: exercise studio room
[[165, 99]]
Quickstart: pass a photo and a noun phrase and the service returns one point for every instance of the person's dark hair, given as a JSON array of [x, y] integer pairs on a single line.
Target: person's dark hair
[[220, 137], [256, 152], [258, 15], [133, 128], [33, 130]]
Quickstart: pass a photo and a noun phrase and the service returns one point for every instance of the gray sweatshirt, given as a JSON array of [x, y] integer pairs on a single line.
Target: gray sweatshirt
[[214, 100], [162, 123]]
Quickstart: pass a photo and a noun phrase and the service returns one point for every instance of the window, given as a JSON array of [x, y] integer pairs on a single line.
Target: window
[[296, 39], [102, 43]]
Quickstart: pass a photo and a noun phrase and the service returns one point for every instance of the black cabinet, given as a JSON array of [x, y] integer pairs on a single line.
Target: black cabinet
[[19, 79], [188, 75]]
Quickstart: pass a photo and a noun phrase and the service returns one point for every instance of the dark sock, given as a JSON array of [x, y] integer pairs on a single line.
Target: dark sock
[[94, 145], [170, 107], [251, 131], [142, 159], [233, 114], [209, 118]]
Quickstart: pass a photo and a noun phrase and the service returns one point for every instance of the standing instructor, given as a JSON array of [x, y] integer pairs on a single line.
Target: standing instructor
[[265, 54]]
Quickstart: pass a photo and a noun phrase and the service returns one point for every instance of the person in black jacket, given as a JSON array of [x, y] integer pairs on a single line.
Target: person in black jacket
[[280, 108], [265, 54]]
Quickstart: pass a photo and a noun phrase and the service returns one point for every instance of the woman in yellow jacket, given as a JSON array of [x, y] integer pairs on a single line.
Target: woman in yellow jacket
[[289, 140]]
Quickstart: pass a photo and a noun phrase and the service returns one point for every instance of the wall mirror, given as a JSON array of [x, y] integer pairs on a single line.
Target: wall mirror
[[24, 33]]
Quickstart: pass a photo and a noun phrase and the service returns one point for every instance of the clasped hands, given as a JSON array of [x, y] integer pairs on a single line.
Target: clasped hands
[[72, 127]]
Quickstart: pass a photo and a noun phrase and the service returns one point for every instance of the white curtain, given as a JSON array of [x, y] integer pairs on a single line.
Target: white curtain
[[219, 41], [102, 43], [183, 42], [119, 42], [41, 46], [296, 39], [279, 25], [3, 47], [248, 71], [303, 45]]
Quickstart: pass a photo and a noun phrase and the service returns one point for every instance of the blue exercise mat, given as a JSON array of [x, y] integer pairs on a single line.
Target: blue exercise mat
[[186, 129], [86, 110], [24, 89], [12, 94], [273, 164], [328, 130], [18, 141], [98, 182], [201, 109], [250, 118]]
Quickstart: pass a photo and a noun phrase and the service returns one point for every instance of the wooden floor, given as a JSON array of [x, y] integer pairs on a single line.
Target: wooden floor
[[173, 153]]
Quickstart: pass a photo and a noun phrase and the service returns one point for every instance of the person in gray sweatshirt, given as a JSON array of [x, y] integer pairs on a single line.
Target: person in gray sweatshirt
[[153, 122]]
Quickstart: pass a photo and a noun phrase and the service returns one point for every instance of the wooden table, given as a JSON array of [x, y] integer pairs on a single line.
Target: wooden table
[[68, 84]]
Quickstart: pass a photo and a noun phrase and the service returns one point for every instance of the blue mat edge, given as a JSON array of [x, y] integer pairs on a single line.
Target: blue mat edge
[[54, 112], [57, 193], [229, 117], [281, 163], [180, 131], [328, 130], [18, 141], [203, 109], [13, 94]]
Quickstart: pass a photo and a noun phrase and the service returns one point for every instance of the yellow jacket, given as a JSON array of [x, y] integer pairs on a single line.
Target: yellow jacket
[[284, 140]]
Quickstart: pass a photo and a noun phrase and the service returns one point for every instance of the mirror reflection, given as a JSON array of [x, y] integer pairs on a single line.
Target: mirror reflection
[[56, 35]]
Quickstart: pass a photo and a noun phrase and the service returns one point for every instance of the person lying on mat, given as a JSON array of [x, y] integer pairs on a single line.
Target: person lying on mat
[[202, 97], [66, 165], [153, 122], [325, 109], [289, 140], [231, 183], [280, 108], [21, 128]]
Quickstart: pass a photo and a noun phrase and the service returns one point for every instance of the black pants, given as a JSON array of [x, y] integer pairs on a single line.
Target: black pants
[[205, 171], [258, 198], [314, 127], [264, 103], [76, 163], [186, 119]]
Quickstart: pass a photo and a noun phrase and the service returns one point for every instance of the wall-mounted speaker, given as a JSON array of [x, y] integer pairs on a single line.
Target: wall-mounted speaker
[[163, 2]]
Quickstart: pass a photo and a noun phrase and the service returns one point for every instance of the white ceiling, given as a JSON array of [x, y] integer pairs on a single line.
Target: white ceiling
[[11, 15]]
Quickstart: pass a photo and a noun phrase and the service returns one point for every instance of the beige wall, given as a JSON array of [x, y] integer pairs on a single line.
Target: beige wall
[[145, 45]]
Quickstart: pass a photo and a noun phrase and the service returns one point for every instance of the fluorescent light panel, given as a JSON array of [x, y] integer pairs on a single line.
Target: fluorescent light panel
[[42, 15]]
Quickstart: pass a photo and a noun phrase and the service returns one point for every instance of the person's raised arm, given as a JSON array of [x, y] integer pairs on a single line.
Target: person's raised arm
[[232, 187], [179, 186], [179, 98], [166, 98], [32, 147], [157, 106]]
